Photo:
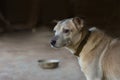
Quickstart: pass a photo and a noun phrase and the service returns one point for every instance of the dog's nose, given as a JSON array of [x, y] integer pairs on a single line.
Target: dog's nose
[[53, 42]]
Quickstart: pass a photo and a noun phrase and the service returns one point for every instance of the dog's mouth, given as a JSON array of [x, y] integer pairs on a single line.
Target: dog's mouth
[[59, 46], [64, 43], [54, 46]]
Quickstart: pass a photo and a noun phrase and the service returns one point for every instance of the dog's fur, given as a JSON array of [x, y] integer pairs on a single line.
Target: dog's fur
[[100, 55]]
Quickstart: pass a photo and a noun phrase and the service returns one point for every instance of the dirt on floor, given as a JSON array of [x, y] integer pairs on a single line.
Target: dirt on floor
[[20, 51]]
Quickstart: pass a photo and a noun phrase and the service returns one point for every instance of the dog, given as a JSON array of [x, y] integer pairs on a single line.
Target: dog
[[98, 54]]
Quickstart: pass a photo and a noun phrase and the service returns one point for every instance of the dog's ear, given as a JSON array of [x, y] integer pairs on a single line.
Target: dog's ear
[[79, 23]]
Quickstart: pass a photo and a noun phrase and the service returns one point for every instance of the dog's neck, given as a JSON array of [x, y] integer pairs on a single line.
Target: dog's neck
[[82, 43], [95, 38], [78, 44]]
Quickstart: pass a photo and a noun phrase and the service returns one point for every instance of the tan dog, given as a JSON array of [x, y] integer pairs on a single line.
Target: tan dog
[[98, 54]]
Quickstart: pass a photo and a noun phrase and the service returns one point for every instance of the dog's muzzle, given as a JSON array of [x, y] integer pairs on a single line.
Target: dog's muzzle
[[58, 42]]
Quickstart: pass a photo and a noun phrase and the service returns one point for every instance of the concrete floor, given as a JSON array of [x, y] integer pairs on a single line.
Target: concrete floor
[[20, 51]]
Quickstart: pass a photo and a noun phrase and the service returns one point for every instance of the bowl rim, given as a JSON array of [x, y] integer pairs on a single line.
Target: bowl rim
[[49, 61]]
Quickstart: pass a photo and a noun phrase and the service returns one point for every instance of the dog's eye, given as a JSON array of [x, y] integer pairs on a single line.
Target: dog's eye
[[66, 30]]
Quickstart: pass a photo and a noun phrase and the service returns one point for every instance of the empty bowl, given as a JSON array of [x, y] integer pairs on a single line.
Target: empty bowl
[[49, 64]]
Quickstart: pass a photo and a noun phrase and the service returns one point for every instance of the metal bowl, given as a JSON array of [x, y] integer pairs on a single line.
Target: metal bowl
[[49, 64]]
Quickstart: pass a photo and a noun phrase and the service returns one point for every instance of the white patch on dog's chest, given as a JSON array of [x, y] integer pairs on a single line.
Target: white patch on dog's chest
[[79, 60], [81, 63]]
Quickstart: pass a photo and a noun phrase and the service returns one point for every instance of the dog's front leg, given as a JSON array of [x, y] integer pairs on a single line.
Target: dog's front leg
[[92, 73], [93, 76]]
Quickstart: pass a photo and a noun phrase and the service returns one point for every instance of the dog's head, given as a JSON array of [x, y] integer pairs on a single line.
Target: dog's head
[[65, 32]]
